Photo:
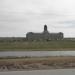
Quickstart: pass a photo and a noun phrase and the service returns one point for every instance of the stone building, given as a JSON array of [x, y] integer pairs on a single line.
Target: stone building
[[45, 35]]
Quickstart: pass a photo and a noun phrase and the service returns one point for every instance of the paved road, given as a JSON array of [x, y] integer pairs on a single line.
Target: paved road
[[41, 72], [36, 53]]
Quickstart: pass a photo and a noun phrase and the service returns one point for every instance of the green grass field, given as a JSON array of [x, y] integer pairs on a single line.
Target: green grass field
[[39, 45]]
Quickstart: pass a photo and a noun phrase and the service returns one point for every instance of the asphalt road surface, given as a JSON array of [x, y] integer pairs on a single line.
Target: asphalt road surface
[[41, 72], [36, 53]]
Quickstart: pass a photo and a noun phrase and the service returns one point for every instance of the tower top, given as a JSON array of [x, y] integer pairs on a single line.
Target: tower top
[[45, 28]]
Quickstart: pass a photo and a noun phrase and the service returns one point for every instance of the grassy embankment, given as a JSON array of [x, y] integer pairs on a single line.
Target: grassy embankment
[[39, 45], [37, 63], [40, 59]]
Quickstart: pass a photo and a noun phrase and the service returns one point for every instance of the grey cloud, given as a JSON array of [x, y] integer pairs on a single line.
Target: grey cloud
[[70, 23], [21, 16], [11, 18]]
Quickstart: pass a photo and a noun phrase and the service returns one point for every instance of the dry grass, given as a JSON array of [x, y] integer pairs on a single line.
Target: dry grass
[[37, 63], [38, 60]]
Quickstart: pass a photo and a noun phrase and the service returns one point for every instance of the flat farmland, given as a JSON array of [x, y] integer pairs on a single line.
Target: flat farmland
[[38, 45]]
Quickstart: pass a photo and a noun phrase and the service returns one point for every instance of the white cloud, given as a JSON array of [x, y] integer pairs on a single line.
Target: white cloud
[[21, 16]]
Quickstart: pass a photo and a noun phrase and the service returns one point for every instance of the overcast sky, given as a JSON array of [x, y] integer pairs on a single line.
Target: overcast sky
[[17, 17]]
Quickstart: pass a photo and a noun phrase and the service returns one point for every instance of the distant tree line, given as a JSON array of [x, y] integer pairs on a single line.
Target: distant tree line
[[22, 39], [12, 39]]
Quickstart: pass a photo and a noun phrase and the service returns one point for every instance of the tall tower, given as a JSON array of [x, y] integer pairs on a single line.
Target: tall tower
[[45, 28]]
